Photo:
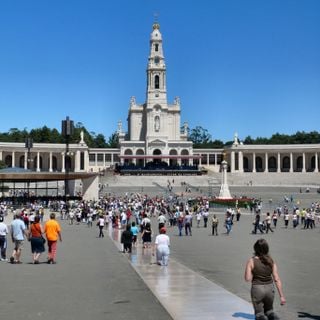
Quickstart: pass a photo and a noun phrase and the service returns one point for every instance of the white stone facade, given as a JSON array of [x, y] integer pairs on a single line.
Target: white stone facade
[[154, 127]]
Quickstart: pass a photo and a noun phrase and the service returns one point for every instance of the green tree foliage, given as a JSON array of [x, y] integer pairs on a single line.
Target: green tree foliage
[[199, 136], [113, 141], [300, 137], [2, 164]]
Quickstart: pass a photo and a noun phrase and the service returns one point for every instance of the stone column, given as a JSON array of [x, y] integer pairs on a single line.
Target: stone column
[[266, 162], [86, 160], [38, 161], [240, 161], [63, 168], [232, 161], [303, 162], [13, 159], [77, 161], [112, 159], [279, 163], [291, 162], [254, 162], [50, 161], [1, 155], [25, 160], [316, 168]]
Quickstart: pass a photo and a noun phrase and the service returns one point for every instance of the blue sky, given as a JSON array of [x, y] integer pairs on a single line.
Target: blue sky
[[246, 66]]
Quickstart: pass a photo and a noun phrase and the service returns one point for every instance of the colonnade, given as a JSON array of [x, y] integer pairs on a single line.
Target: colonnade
[[262, 161]]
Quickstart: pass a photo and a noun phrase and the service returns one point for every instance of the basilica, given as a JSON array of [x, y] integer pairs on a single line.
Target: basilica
[[156, 135]]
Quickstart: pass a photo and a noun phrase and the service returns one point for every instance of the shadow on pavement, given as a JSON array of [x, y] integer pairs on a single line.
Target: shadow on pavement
[[308, 316]]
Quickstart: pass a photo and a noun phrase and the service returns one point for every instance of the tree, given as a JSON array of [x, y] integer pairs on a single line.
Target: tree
[[199, 136], [2, 164], [113, 141], [100, 141], [248, 140]]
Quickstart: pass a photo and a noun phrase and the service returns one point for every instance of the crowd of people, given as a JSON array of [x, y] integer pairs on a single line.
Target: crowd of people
[[136, 217]]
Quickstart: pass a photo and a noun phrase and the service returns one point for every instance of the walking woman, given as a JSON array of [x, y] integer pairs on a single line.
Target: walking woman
[[36, 239], [262, 271]]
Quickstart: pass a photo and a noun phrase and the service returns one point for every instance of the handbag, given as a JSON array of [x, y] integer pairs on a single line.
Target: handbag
[[43, 239]]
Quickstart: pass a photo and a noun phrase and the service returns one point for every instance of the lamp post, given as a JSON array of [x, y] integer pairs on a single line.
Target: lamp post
[[67, 131], [28, 145]]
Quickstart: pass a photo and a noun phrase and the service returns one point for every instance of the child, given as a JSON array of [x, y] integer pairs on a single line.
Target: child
[[135, 231]]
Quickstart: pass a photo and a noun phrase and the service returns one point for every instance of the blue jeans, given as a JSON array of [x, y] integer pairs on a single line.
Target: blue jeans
[[229, 227]]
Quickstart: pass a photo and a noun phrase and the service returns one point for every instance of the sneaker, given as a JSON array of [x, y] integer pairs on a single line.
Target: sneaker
[[4, 259]]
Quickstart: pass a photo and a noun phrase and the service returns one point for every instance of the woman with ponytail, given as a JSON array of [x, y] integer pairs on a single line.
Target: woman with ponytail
[[262, 271]]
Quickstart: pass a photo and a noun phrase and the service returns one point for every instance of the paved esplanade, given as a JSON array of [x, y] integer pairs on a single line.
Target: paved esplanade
[[91, 280], [184, 293]]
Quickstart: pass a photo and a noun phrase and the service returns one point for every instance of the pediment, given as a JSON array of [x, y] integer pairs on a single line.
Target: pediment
[[157, 142]]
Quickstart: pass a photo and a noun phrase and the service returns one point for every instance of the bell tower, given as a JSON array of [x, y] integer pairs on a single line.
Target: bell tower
[[156, 71]]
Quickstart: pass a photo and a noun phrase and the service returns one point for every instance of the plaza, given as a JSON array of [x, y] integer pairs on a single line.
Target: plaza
[[94, 279]]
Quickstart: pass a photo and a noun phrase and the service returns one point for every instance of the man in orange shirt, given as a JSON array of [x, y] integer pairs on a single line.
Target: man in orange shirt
[[52, 230]]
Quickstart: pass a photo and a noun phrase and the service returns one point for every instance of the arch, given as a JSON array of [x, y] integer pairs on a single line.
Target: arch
[[313, 164], [157, 152], [156, 82], [286, 164], [259, 164], [140, 162], [184, 152], [157, 107], [299, 163], [173, 162], [21, 162], [272, 164], [245, 164], [128, 152], [54, 163], [8, 160]]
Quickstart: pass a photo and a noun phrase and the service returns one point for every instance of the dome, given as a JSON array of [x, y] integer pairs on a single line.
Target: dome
[[156, 34]]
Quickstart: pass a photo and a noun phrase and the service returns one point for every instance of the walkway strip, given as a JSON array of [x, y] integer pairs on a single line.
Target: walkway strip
[[184, 293]]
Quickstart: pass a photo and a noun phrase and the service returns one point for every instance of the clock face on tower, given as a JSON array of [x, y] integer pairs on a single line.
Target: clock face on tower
[[156, 60]]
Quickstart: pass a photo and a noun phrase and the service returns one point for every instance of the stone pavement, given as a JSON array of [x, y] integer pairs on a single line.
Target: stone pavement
[[184, 293], [91, 280]]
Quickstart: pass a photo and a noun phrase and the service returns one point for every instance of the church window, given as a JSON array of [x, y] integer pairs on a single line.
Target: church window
[[156, 82], [156, 47]]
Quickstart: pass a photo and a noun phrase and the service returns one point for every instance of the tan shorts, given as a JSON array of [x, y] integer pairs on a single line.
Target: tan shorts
[[18, 244]]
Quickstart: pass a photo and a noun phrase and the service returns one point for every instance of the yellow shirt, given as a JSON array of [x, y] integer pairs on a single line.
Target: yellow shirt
[[52, 228]]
